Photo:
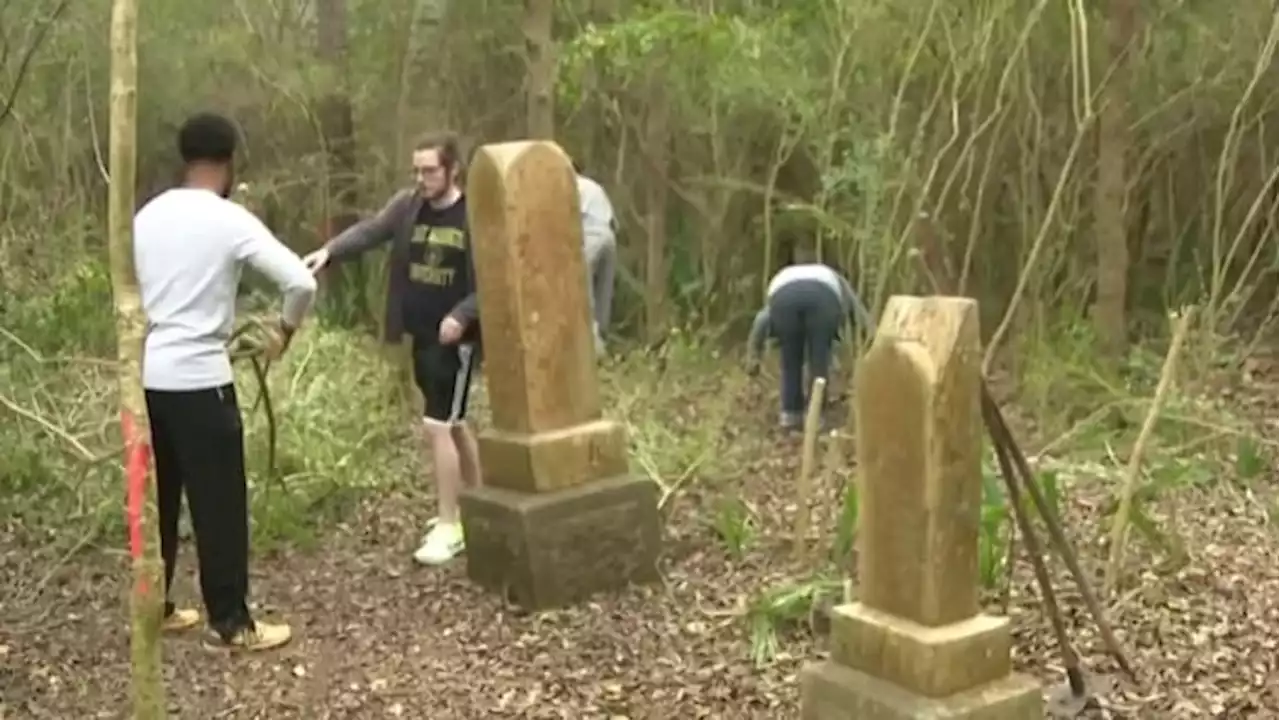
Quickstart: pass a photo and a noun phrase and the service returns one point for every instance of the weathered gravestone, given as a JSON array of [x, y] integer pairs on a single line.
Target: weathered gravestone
[[915, 644], [559, 516]]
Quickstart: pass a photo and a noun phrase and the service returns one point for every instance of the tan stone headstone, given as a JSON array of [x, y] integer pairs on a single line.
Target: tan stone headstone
[[559, 516], [916, 645], [920, 462], [523, 213], [548, 431]]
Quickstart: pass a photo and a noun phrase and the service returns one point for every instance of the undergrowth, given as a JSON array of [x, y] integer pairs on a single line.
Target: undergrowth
[[337, 427], [1078, 423], [692, 419]]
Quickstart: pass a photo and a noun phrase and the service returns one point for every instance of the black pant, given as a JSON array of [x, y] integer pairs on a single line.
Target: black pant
[[806, 316], [443, 373], [199, 448]]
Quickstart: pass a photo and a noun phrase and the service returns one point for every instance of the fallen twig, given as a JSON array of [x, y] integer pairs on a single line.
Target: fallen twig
[[84, 452], [669, 492], [25, 347]]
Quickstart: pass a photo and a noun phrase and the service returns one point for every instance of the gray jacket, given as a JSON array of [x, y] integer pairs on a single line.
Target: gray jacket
[[394, 223]]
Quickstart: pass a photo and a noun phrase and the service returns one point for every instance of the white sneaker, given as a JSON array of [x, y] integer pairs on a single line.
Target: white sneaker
[[444, 542], [431, 523]]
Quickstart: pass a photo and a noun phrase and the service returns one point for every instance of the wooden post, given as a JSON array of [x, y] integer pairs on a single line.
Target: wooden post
[[804, 488], [147, 595]]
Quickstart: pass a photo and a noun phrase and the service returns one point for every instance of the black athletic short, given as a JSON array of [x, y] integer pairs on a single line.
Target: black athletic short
[[443, 373]]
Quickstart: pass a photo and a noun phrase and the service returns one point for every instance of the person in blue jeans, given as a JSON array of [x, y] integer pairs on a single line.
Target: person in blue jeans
[[807, 306], [600, 247]]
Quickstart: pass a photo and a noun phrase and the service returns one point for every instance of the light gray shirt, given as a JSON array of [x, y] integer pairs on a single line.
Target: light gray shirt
[[850, 305], [812, 271], [188, 248], [597, 210]]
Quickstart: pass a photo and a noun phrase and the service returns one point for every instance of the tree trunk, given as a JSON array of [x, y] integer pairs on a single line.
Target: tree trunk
[[1111, 227], [337, 126], [540, 69], [420, 95], [657, 147], [147, 593]]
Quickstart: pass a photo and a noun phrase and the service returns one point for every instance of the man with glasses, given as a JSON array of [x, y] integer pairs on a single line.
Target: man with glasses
[[431, 297]]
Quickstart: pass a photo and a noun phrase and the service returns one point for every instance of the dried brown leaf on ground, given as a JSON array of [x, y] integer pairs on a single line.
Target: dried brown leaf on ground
[[379, 637]]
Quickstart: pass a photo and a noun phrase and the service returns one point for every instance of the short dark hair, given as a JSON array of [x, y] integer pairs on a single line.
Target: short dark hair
[[446, 144], [207, 137]]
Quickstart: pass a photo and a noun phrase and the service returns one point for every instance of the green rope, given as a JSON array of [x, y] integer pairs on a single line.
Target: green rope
[[248, 342]]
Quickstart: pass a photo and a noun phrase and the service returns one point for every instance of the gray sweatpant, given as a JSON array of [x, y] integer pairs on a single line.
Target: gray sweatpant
[[601, 251]]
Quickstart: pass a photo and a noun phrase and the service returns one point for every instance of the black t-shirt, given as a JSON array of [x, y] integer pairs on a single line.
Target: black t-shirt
[[439, 268]]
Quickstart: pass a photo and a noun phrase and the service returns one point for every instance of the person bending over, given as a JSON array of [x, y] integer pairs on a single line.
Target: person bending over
[[600, 247], [431, 297], [190, 243], [806, 307]]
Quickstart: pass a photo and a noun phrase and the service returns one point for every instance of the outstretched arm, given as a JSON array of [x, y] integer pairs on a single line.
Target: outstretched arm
[[257, 246], [857, 311], [371, 232], [759, 333]]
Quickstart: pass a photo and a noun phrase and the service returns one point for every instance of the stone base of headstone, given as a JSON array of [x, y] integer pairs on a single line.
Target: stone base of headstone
[[835, 692], [543, 550], [886, 668], [549, 461]]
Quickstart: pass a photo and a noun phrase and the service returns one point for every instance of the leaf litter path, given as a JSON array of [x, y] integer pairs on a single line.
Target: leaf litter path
[[377, 637]]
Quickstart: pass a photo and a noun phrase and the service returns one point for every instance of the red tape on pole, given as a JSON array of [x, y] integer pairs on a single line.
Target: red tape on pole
[[137, 455]]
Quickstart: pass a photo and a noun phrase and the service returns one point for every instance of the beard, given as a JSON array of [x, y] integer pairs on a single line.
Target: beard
[[440, 193]]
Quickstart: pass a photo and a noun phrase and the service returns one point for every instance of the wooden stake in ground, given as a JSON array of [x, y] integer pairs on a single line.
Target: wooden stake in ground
[[1120, 525], [144, 549], [804, 488]]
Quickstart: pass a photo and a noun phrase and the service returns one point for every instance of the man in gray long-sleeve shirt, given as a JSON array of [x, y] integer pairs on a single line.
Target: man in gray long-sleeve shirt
[[807, 306], [431, 296], [189, 245]]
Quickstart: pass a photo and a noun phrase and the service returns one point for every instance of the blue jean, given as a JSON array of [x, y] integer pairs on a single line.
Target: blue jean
[[806, 319]]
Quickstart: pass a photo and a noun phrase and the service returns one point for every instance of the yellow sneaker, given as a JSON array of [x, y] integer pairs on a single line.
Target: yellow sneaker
[[179, 620], [263, 636]]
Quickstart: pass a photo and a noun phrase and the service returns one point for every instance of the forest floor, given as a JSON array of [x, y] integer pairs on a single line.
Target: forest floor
[[377, 636]]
